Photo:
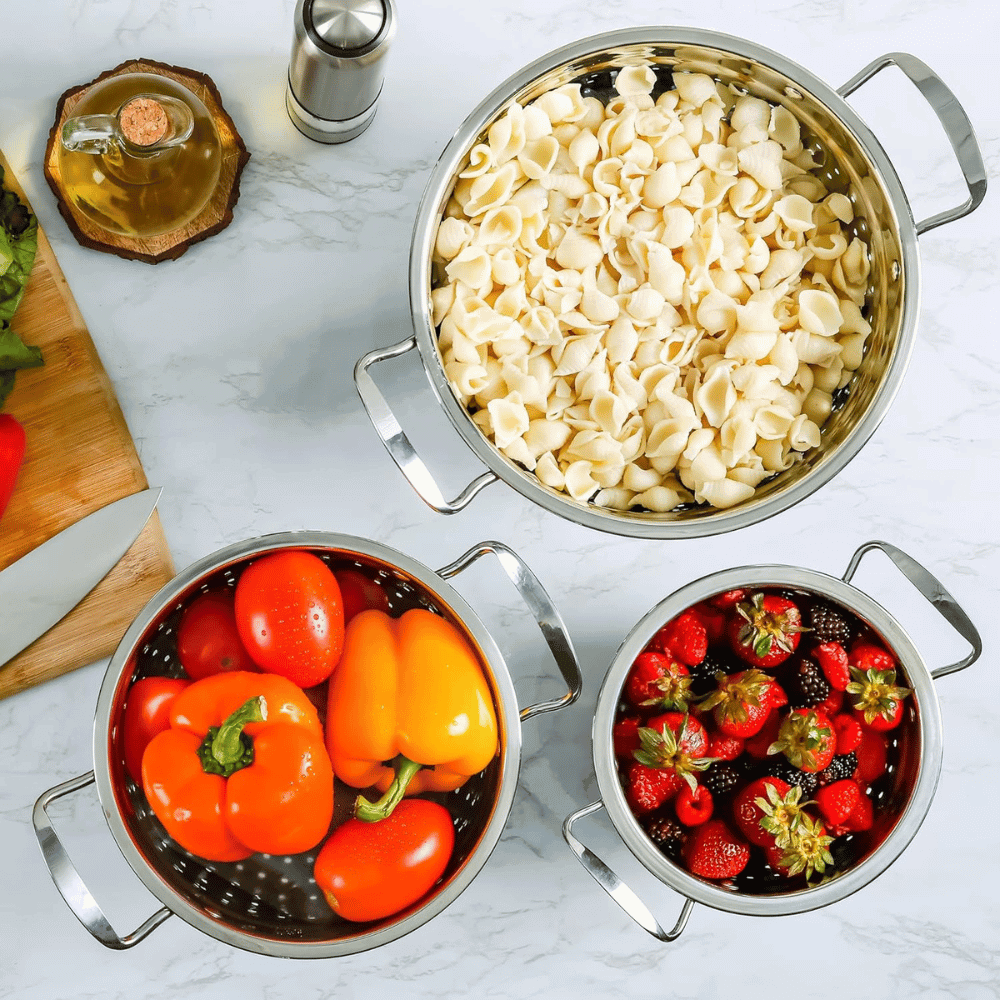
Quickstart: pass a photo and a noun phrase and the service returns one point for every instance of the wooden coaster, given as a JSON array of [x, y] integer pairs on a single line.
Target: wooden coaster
[[213, 218]]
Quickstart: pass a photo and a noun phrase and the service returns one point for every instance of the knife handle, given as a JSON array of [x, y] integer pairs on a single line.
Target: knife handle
[[67, 879]]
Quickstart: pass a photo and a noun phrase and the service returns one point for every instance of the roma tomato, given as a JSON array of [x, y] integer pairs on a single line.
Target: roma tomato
[[359, 593], [147, 713], [207, 639], [368, 871], [290, 616]]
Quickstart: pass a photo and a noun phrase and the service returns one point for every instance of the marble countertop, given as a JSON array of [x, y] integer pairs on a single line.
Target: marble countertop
[[233, 366]]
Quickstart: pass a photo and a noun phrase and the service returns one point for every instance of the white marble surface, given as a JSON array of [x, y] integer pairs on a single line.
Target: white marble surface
[[233, 368]]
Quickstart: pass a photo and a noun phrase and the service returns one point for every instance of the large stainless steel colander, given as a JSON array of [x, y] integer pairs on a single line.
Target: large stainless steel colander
[[907, 790], [853, 163], [271, 904]]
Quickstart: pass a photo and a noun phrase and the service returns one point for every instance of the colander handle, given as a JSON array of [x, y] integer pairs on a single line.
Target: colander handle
[[952, 116], [544, 611], [67, 879], [931, 588], [396, 442], [615, 887]]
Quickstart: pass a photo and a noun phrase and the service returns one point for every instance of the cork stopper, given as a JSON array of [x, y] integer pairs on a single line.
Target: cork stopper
[[143, 121]]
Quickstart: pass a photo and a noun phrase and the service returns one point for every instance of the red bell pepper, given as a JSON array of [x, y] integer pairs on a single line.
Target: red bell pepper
[[11, 456]]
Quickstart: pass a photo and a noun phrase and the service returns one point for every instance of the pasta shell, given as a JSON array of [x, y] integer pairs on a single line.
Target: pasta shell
[[634, 80]]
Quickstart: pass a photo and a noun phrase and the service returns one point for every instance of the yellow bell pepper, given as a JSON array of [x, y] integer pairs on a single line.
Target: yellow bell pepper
[[408, 709]]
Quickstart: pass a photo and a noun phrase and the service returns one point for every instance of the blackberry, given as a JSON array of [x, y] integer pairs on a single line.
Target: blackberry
[[703, 675], [843, 851], [830, 625], [806, 780], [745, 764], [720, 779], [806, 686], [842, 766], [667, 834]]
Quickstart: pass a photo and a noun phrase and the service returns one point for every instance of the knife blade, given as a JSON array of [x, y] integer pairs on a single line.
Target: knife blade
[[43, 586]]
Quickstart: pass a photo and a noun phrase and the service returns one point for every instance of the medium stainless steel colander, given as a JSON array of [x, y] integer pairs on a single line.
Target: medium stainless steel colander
[[912, 782], [271, 904], [853, 163]]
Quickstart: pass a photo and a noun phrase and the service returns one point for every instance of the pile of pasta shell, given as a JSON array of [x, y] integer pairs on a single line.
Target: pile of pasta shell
[[649, 302]]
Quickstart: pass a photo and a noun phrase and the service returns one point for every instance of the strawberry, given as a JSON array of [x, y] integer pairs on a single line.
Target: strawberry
[[727, 598], [675, 745], [625, 737], [862, 817], [658, 679], [872, 754], [806, 738], [691, 736], [877, 700], [848, 732], [758, 745], [765, 630], [832, 660], [837, 801], [867, 656], [776, 696], [740, 704], [647, 788], [831, 705], [723, 747], [713, 618], [684, 637], [882, 723], [775, 856], [713, 851], [693, 807], [767, 810], [808, 851]]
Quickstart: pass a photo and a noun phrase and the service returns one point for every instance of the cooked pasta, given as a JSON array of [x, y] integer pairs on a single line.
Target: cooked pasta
[[648, 302]]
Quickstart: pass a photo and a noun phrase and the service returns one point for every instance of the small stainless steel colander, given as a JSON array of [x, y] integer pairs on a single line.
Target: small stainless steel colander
[[906, 793], [267, 903]]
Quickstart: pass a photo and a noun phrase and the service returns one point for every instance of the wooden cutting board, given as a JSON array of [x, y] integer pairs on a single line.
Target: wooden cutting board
[[79, 456]]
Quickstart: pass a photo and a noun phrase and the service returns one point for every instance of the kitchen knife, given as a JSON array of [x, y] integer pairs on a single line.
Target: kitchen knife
[[45, 585]]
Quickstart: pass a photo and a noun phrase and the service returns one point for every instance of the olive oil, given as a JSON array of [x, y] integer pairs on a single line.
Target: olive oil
[[137, 192]]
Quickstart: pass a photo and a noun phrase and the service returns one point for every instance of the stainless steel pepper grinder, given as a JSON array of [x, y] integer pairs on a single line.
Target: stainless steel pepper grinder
[[336, 68]]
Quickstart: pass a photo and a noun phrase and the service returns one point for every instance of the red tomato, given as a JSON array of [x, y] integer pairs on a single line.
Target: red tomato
[[359, 593], [147, 713], [290, 616], [207, 640], [368, 871]]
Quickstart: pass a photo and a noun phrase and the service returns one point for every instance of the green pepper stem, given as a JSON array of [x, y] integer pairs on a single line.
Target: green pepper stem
[[372, 812], [226, 749]]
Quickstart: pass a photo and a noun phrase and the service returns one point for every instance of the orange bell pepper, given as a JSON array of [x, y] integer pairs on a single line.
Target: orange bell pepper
[[409, 690], [242, 768]]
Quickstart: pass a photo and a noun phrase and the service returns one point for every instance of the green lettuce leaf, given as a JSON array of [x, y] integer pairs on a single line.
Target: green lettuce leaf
[[18, 246], [14, 354]]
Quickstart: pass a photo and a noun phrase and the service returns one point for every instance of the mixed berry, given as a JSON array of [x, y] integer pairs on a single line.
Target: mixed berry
[[757, 738]]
